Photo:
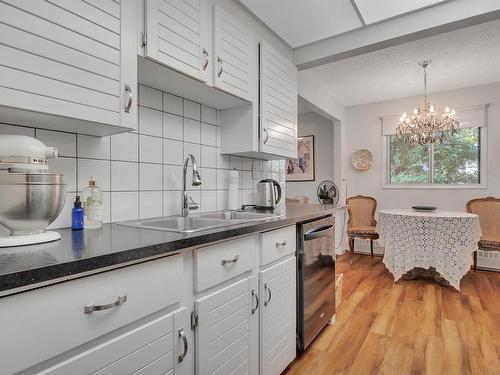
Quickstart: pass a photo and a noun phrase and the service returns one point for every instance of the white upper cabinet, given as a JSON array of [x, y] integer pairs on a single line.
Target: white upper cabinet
[[177, 32], [234, 66], [278, 103], [69, 65]]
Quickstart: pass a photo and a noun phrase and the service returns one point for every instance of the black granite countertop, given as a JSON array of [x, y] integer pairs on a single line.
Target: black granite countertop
[[79, 253]]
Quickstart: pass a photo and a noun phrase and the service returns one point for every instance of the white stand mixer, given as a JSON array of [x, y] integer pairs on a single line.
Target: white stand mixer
[[30, 197]]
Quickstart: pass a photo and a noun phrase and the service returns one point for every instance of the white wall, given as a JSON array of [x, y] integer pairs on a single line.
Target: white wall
[[313, 124], [363, 130]]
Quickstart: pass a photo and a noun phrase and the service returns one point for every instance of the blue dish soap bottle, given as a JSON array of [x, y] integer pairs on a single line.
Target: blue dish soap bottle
[[77, 215]]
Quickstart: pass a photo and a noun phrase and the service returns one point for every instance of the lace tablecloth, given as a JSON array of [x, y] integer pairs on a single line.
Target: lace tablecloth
[[443, 240]]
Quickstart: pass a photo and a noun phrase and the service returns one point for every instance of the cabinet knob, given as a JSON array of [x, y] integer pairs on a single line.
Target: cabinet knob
[[279, 244], [182, 335], [268, 291], [228, 261], [87, 309], [254, 295], [221, 66], [205, 62], [130, 98], [266, 133]]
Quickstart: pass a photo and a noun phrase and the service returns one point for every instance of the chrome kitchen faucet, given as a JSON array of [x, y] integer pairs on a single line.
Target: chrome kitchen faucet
[[189, 204]]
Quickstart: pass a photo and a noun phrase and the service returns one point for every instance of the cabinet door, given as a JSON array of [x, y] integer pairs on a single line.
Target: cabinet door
[[72, 59], [277, 317], [235, 65], [175, 30], [153, 348], [278, 96], [223, 336]]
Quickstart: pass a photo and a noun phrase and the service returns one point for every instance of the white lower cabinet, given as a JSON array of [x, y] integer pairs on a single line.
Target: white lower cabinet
[[277, 316], [157, 347], [225, 342]]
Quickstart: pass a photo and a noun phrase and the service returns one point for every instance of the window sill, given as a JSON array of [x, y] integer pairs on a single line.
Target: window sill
[[433, 186]]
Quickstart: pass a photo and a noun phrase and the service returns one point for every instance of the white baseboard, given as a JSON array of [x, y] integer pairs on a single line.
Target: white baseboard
[[487, 260]]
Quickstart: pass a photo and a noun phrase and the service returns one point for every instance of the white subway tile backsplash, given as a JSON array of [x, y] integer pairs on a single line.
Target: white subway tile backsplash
[[173, 126], [141, 172], [193, 149], [64, 142], [208, 156], [208, 115], [192, 110], [150, 149], [124, 176], [149, 97], [16, 130], [67, 166], [124, 147], [191, 131], [93, 147], [208, 178], [172, 203], [173, 152], [235, 162], [208, 135], [208, 201], [173, 104], [124, 206], [150, 121], [172, 177], [150, 176], [150, 204], [100, 170]]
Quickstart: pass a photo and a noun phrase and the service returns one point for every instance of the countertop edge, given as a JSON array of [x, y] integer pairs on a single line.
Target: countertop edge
[[22, 281]]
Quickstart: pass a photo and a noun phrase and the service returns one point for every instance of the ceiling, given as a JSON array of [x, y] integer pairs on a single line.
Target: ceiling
[[462, 58], [300, 22]]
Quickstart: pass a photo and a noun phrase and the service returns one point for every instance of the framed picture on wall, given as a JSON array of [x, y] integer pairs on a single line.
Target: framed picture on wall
[[302, 168]]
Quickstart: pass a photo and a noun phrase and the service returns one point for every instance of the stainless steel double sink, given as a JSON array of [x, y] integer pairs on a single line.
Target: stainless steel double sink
[[195, 223]]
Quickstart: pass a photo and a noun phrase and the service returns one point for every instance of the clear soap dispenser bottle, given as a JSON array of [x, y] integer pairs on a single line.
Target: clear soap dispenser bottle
[[92, 205]]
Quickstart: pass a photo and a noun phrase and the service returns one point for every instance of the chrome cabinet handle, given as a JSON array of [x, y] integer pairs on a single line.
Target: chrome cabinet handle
[[205, 64], [284, 243], [221, 66], [185, 343], [267, 136], [227, 261], [87, 309], [254, 295], [266, 289], [128, 106]]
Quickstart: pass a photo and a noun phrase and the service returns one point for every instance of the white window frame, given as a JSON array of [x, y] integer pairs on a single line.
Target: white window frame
[[483, 165]]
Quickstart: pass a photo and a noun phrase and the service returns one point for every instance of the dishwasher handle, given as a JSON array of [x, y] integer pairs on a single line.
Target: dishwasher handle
[[318, 232]]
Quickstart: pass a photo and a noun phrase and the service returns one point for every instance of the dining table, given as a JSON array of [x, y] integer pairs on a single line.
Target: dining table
[[437, 244]]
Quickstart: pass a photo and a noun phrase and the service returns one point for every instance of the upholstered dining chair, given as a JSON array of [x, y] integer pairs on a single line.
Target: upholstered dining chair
[[488, 210], [361, 222]]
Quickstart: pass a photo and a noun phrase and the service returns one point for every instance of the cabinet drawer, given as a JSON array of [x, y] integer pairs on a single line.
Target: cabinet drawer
[[276, 244], [52, 319], [217, 263]]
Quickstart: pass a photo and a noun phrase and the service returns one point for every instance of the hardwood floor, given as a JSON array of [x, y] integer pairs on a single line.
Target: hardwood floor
[[408, 327]]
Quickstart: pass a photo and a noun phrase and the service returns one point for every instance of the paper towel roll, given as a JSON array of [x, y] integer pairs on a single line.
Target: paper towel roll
[[233, 196]]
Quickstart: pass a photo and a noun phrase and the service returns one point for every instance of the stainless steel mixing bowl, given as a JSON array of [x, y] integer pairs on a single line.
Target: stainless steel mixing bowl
[[29, 202]]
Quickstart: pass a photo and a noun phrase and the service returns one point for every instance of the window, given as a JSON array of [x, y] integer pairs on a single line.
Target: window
[[457, 163]]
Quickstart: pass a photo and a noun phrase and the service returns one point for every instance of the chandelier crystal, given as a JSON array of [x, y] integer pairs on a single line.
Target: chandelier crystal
[[427, 124]]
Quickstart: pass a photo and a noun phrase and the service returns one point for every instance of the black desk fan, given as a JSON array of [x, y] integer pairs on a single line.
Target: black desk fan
[[328, 193]]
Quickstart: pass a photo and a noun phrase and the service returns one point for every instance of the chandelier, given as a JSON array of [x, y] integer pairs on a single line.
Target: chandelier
[[427, 124]]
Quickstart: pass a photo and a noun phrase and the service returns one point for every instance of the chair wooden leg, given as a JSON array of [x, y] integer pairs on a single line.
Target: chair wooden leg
[[351, 244], [475, 261], [371, 246]]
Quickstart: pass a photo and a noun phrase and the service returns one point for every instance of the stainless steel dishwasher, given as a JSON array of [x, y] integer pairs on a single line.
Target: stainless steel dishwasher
[[315, 278]]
